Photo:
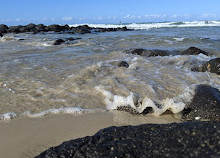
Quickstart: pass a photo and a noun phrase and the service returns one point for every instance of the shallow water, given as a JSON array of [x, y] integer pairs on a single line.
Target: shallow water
[[36, 76]]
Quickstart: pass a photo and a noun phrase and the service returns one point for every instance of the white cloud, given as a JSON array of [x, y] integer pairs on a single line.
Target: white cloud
[[208, 15], [68, 18]]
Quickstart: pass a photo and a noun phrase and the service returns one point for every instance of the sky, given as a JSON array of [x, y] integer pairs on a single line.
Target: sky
[[16, 12]]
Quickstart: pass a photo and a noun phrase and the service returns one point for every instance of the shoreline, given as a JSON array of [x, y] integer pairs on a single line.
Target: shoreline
[[28, 137]]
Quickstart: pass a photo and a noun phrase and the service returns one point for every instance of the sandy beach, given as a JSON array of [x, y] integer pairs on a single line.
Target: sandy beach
[[28, 137]]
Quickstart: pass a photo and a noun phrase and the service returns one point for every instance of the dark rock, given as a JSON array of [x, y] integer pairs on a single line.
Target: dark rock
[[122, 28], [40, 28], [212, 66], [194, 51], [150, 53], [24, 29], [55, 28], [72, 39], [205, 104], [190, 139], [21, 39], [3, 28], [58, 42], [14, 29], [31, 26], [1, 35], [123, 64], [81, 29]]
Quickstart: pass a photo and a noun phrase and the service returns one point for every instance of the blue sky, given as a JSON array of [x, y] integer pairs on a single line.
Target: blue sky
[[14, 12]]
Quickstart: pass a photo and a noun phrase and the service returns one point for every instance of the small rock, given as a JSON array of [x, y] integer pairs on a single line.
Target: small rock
[[123, 64]]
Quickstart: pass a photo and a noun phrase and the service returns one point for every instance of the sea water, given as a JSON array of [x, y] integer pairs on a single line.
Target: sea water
[[38, 78]]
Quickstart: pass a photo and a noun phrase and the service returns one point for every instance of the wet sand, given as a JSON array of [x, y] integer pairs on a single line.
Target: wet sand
[[28, 137]]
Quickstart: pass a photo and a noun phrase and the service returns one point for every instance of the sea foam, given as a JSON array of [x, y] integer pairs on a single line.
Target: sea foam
[[65, 110], [146, 26], [175, 105]]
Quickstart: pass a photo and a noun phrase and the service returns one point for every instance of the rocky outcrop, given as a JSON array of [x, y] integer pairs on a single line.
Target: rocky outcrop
[[212, 66], [83, 29], [157, 52], [205, 104], [191, 139]]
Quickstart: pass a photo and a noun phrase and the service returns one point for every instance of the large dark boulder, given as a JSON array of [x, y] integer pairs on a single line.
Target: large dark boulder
[[212, 66], [191, 139], [150, 53], [1, 35], [193, 51], [14, 29], [3, 28], [205, 104]]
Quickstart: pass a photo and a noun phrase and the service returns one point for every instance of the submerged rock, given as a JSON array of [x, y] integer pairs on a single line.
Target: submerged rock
[[191, 139], [157, 52], [150, 53], [58, 42], [194, 51], [123, 64], [205, 104], [212, 66]]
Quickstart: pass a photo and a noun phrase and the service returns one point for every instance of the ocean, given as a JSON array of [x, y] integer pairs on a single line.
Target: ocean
[[38, 78]]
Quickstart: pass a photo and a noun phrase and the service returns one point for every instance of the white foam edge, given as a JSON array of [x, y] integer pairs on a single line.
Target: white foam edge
[[175, 105], [65, 110], [147, 26]]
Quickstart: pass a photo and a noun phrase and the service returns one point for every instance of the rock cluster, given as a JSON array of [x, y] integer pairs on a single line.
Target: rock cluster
[[191, 139], [157, 52], [83, 29]]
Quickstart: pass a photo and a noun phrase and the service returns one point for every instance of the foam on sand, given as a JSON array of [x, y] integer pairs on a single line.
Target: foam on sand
[[65, 110]]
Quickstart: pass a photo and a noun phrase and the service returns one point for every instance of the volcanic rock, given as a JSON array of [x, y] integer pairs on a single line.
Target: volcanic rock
[[205, 104], [190, 139]]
